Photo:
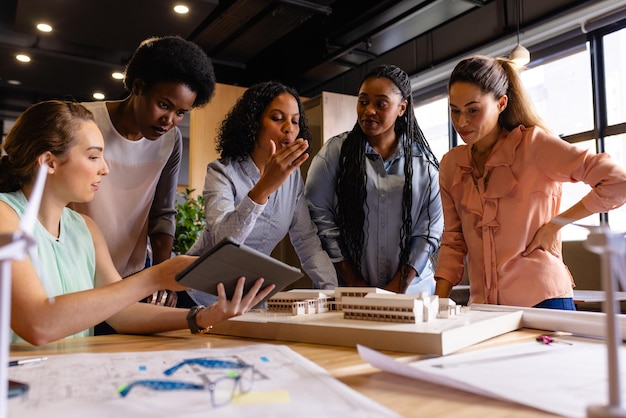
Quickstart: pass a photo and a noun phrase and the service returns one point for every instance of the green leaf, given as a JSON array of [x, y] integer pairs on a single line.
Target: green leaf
[[190, 220]]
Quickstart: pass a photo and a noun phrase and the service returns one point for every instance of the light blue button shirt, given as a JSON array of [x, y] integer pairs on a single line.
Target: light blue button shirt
[[385, 182]]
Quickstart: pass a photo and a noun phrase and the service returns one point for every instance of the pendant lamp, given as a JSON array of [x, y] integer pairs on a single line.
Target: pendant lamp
[[519, 55]]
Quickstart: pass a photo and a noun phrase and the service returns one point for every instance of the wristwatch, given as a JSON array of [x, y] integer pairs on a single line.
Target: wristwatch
[[191, 321]]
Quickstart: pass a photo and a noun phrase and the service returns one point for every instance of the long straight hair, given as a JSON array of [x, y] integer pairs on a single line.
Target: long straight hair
[[499, 77]]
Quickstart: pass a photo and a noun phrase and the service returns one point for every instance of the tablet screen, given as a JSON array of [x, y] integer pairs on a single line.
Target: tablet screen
[[227, 261]]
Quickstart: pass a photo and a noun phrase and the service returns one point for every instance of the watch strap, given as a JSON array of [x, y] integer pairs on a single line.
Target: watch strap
[[193, 324]]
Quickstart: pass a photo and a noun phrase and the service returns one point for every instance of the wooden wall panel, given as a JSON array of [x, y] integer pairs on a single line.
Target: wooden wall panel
[[203, 126]]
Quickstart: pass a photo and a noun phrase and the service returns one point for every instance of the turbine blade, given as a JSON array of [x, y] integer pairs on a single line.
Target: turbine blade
[[27, 223]]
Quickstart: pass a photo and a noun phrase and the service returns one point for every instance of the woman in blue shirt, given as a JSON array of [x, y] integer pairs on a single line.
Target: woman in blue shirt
[[374, 193], [254, 192]]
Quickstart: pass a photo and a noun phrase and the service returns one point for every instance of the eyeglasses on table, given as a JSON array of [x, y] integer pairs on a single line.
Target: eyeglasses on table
[[238, 378]]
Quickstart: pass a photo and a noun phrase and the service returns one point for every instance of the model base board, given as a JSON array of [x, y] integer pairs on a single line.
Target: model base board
[[440, 336]]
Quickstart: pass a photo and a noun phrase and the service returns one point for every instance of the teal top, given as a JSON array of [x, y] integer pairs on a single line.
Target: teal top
[[68, 263]]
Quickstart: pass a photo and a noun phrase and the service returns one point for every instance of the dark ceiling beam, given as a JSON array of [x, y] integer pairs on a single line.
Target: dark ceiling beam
[[415, 18], [479, 3], [222, 7], [309, 5], [267, 11], [33, 51], [378, 19]]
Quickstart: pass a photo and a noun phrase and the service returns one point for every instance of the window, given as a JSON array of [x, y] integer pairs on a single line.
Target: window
[[615, 76], [561, 92], [572, 193], [432, 117], [615, 146]]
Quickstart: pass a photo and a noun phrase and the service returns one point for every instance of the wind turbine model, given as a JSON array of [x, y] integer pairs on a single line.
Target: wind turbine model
[[611, 247], [15, 246]]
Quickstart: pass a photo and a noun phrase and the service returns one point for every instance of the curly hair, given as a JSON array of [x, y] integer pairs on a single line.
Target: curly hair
[[44, 126], [237, 133], [352, 179], [172, 59]]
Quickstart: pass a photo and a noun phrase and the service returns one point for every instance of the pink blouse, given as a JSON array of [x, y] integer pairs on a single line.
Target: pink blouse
[[493, 219]]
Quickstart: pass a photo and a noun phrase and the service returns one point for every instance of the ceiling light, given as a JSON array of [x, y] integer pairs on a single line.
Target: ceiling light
[[14, 82], [117, 75], [181, 9], [98, 96], [519, 55], [44, 27], [22, 57]]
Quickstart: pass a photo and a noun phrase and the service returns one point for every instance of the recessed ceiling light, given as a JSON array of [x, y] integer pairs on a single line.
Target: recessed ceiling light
[[14, 82], [22, 57], [181, 9], [44, 27], [98, 96], [117, 75]]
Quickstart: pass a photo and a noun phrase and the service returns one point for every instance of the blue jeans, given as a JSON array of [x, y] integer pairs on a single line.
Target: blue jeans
[[557, 303]]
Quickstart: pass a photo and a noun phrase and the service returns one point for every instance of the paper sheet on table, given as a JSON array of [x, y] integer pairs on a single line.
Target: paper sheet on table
[[559, 378], [285, 384]]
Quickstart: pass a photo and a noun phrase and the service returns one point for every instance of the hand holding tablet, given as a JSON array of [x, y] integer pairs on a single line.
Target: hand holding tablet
[[227, 261]]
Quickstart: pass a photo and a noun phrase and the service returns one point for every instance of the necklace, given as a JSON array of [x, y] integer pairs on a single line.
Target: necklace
[[479, 158]]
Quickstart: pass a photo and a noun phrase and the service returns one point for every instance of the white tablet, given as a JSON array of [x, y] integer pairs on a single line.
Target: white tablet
[[227, 261]]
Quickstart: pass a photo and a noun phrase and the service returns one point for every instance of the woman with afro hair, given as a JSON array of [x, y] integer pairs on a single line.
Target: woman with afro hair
[[166, 77]]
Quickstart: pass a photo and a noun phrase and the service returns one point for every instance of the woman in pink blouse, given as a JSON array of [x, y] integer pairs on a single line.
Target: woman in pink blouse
[[501, 192]]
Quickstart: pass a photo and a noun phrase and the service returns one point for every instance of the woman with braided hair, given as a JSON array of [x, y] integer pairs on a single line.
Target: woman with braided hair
[[373, 192]]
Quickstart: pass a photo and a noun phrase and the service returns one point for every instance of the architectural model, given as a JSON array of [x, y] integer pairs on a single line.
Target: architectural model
[[365, 303], [372, 317]]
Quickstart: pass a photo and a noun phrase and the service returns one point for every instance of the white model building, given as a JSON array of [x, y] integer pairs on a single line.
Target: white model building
[[448, 308], [365, 303], [392, 307], [341, 292], [300, 302], [380, 307]]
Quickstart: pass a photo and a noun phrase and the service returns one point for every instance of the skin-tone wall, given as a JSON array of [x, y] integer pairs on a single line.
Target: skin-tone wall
[[203, 125]]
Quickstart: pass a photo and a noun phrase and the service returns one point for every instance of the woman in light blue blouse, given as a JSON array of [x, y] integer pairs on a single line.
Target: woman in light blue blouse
[[374, 192], [254, 192]]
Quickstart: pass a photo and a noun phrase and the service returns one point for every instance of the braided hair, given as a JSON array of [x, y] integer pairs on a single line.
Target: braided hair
[[352, 179]]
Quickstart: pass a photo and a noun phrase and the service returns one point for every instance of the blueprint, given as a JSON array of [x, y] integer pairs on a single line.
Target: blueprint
[[285, 384]]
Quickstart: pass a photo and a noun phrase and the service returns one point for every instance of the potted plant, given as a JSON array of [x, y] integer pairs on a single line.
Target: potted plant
[[190, 220]]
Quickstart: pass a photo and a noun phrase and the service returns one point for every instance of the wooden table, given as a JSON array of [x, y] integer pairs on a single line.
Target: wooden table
[[408, 397]]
